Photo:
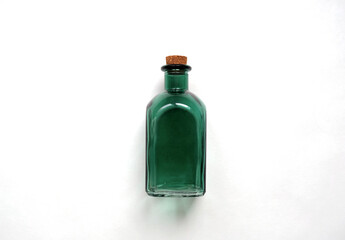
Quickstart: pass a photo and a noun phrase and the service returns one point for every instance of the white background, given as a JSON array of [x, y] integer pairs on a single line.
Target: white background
[[75, 78]]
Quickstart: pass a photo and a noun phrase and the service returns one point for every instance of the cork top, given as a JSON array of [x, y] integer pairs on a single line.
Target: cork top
[[176, 59]]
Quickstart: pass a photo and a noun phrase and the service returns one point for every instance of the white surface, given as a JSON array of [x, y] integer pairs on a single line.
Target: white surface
[[75, 78]]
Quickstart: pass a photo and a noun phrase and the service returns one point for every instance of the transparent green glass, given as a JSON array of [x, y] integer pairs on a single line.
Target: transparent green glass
[[175, 139]]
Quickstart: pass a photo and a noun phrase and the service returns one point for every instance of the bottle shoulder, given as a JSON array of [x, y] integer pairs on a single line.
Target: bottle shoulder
[[186, 101]]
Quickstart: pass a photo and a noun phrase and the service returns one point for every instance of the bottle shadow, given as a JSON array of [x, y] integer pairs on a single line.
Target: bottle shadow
[[173, 209]]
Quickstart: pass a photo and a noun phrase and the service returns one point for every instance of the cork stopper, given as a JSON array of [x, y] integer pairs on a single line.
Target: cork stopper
[[176, 59]]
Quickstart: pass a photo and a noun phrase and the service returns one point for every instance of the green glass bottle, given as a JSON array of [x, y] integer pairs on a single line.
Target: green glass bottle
[[175, 137]]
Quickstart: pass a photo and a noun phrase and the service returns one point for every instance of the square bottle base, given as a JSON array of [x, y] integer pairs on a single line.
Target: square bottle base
[[175, 193]]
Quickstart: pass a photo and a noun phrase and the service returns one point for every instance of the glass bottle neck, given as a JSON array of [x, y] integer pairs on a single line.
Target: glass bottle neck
[[176, 81]]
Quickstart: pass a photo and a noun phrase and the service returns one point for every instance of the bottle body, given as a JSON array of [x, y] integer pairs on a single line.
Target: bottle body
[[175, 142]]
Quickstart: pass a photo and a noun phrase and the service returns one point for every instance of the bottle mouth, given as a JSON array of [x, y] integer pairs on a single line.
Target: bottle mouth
[[176, 67]]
